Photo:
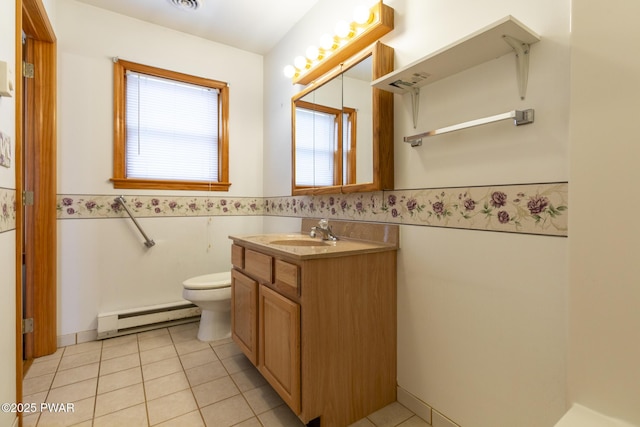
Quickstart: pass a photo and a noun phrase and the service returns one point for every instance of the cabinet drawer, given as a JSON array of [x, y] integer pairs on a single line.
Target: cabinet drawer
[[258, 265], [287, 278], [237, 256]]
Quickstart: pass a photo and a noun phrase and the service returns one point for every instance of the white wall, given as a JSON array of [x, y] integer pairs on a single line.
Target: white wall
[[604, 345], [482, 316], [103, 265], [8, 237]]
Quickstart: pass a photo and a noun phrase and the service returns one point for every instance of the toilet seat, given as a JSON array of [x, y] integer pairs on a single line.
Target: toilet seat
[[209, 281]]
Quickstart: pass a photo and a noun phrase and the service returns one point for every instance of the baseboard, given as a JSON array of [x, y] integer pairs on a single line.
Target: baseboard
[[414, 404], [77, 338]]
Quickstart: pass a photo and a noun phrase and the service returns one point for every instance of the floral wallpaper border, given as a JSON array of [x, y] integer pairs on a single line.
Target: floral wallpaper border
[[524, 208], [7, 209]]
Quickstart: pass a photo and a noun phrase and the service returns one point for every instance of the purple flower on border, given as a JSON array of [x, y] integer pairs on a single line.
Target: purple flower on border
[[71, 211], [225, 209], [253, 206], [331, 201], [498, 199], [5, 210], [469, 204], [116, 206], [438, 208], [537, 204], [138, 204], [193, 206], [173, 205], [223, 202], [67, 201], [333, 211], [391, 199], [155, 202], [90, 205], [157, 210], [412, 204], [237, 205], [322, 204], [210, 204], [359, 207], [503, 217], [394, 212], [343, 204], [312, 207]]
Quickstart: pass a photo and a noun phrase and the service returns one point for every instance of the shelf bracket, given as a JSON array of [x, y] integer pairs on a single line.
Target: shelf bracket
[[415, 104], [521, 50]]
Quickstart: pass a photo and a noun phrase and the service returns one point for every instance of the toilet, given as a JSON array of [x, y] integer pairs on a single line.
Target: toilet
[[212, 293]]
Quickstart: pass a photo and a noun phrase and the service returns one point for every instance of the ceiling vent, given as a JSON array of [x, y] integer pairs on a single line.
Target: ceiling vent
[[186, 4]]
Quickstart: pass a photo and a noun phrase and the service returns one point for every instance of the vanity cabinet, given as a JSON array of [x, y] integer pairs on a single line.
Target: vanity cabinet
[[325, 322]]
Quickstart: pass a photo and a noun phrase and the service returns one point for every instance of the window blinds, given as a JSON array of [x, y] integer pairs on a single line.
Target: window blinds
[[316, 136], [172, 129]]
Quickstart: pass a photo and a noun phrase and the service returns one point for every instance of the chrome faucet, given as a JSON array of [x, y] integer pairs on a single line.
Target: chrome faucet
[[324, 229]]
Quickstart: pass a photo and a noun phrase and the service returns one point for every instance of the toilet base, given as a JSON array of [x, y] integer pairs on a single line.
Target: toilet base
[[214, 325]]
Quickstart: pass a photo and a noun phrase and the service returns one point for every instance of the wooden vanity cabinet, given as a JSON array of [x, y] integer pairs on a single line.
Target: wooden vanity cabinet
[[326, 329]]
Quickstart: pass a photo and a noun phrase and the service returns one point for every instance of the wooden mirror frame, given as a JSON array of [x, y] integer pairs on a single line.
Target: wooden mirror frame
[[382, 122]]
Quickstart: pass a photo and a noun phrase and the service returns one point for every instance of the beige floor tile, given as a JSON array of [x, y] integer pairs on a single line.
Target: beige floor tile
[[161, 368], [119, 350], [73, 392], [36, 398], [205, 373], [119, 364], [81, 348], [215, 391], [262, 399], [55, 356], [88, 423], [166, 385], [116, 400], [112, 342], [184, 327], [157, 354], [82, 411], [152, 334], [171, 406], [30, 420], [75, 375], [251, 422], [281, 416], [190, 346], [155, 342], [43, 368], [197, 358], [236, 363], [192, 419], [226, 413], [248, 379], [79, 359], [414, 421], [391, 415], [225, 351], [119, 379], [184, 335], [135, 416], [37, 384], [363, 423]]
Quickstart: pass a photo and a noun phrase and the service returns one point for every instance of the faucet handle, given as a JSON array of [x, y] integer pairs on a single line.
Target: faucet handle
[[324, 223]]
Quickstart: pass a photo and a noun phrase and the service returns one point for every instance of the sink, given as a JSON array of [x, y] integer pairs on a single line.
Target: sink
[[298, 242]]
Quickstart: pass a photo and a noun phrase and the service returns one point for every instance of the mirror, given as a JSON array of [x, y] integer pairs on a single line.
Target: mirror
[[342, 128]]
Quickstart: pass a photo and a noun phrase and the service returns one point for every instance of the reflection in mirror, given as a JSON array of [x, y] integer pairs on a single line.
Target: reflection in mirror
[[340, 143]]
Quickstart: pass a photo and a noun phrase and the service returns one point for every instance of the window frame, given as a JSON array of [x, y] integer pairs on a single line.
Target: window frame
[[119, 179], [339, 164]]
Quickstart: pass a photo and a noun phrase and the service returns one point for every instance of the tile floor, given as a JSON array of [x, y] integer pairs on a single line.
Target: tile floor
[[165, 377]]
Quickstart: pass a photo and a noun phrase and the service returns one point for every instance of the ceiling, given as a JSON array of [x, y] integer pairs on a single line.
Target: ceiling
[[251, 25]]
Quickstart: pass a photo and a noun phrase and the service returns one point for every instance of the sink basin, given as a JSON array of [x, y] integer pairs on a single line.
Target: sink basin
[[298, 242]]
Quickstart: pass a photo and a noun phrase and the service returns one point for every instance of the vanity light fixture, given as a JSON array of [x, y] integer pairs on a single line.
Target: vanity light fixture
[[368, 25]]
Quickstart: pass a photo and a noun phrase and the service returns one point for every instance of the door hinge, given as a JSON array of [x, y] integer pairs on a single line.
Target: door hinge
[[27, 198], [27, 325], [28, 70]]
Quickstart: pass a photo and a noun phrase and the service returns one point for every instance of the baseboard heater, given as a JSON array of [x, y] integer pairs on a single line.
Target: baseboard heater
[[146, 318]]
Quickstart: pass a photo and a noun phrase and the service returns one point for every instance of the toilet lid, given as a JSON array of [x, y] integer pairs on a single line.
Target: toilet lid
[[209, 281]]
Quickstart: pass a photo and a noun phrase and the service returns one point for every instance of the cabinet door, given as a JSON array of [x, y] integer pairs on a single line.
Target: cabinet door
[[279, 360], [244, 314]]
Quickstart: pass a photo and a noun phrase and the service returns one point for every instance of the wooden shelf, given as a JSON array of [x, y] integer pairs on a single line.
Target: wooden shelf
[[479, 47]]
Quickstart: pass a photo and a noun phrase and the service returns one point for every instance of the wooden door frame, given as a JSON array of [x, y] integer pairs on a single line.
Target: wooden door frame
[[31, 17]]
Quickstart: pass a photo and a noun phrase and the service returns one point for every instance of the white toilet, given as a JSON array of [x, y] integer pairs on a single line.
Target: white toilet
[[212, 293]]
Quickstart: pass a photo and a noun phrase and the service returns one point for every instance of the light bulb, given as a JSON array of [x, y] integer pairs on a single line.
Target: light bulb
[[344, 30], [328, 42], [300, 62], [362, 15], [289, 71], [313, 53]]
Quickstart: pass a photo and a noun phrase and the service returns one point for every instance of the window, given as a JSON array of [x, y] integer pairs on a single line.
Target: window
[[324, 144], [170, 130]]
